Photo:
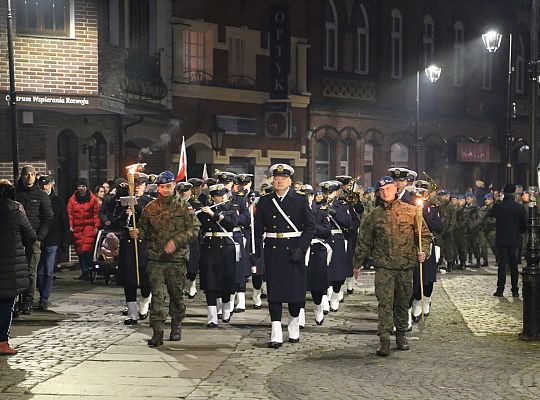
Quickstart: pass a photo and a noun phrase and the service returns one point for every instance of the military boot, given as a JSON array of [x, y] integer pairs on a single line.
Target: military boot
[[384, 348], [176, 332], [402, 343], [157, 337]]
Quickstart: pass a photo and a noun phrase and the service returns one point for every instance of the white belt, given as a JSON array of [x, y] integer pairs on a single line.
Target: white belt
[[328, 251], [336, 231], [217, 234], [282, 235], [237, 229]]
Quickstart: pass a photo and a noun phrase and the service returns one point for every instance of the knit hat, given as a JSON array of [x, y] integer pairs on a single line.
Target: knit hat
[[26, 169], [82, 182]]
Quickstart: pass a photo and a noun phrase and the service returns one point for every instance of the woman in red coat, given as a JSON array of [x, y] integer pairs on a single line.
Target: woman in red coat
[[83, 210]]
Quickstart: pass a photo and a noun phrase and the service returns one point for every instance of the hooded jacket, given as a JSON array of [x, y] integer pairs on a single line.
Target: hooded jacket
[[37, 207], [15, 233]]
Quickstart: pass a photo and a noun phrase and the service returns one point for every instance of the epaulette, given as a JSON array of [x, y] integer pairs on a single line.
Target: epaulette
[[300, 193], [240, 194], [325, 207]]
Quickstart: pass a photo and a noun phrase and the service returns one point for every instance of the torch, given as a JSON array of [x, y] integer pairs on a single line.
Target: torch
[[131, 171], [419, 221]]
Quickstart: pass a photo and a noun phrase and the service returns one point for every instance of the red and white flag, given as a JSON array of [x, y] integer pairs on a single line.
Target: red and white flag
[[182, 165]]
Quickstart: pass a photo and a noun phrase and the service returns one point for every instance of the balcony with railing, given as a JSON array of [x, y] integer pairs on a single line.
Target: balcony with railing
[[143, 76], [241, 82]]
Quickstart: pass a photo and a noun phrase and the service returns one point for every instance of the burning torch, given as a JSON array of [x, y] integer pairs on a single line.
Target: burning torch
[[419, 221], [131, 171]]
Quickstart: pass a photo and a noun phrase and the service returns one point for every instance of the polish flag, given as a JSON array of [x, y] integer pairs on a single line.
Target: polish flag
[[182, 166]]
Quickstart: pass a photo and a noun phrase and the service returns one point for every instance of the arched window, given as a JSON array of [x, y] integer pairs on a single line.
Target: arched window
[[322, 161], [428, 40], [459, 53], [344, 159], [330, 36], [362, 42], [397, 44], [399, 155], [520, 66]]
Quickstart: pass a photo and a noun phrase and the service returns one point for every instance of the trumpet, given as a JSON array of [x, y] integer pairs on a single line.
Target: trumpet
[[434, 184], [352, 196]]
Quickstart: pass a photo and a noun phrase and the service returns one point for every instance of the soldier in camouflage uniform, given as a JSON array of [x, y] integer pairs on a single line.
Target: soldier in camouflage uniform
[[169, 225], [459, 234], [368, 200], [487, 230], [472, 221], [448, 218], [390, 235]]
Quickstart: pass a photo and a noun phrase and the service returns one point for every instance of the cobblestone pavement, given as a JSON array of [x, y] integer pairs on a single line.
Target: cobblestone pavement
[[467, 349]]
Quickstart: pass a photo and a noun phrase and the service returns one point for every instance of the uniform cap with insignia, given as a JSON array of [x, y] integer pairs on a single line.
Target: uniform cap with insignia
[[460, 197], [244, 178], [329, 186], [443, 192], [411, 176], [422, 184], [217, 190], [398, 173], [281, 170], [211, 181], [344, 179], [370, 189], [183, 186], [488, 196], [141, 177], [385, 180], [196, 181], [306, 189], [165, 177], [469, 194], [225, 177]]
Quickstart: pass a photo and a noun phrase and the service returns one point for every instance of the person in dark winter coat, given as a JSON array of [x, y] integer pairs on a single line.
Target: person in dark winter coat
[[38, 209], [15, 233], [510, 223], [58, 236], [83, 211]]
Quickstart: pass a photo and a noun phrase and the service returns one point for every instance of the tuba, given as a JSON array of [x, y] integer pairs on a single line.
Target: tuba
[[434, 185]]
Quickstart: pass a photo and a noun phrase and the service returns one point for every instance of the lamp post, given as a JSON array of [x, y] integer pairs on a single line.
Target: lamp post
[[216, 136], [531, 273], [492, 42], [433, 73], [12, 95]]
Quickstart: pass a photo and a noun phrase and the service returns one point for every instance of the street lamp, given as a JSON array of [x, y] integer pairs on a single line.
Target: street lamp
[[216, 136], [531, 273], [492, 42], [433, 73], [12, 94]]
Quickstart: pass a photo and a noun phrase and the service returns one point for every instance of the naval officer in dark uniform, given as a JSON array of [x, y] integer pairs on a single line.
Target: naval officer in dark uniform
[[286, 219]]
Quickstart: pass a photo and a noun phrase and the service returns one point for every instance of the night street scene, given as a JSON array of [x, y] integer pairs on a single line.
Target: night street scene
[[269, 199]]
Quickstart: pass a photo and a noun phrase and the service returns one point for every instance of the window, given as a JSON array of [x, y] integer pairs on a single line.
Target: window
[[344, 159], [114, 22], [368, 154], [520, 66], [193, 53], [330, 36], [397, 44], [322, 161], [139, 26], [458, 53], [399, 155], [487, 70], [237, 56], [428, 40], [48, 18], [362, 43]]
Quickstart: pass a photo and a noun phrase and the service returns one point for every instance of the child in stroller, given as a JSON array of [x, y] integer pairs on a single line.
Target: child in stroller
[[107, 248]]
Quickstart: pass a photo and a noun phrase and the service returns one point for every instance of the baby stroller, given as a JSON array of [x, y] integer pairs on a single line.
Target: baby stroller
[[105, 256]]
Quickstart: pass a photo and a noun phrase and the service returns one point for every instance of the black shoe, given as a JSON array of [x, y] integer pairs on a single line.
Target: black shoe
[[157, 339], [176, 333], [274, 345], [130, 321], [43, 306], [294, 340], [143, 316], [256, 307], [350, 291], [325, 312], [319, 322], [301, 327], [211, 325], [416, 319], [239, 310], [332, 310], [219, 316], [226, 320], [484, 264], [189, 296], [498, 294], [341, 301], [125, 312], [515, 293], [264, 295]]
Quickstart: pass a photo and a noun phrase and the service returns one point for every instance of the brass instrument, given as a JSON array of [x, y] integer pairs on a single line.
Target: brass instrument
[[352, 196], [434, 185]]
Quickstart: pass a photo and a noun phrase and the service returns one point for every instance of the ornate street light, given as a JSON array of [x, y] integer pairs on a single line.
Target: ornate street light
[[216, 136], [433, 73], [492, 40]]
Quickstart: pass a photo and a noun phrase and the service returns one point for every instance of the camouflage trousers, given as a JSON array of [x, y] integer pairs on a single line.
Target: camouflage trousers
[[393, 289], [447, 247], [473, 243], [172, 276]]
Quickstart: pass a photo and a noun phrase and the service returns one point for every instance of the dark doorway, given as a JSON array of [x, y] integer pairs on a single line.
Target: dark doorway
[[68, 163], [97, 160]]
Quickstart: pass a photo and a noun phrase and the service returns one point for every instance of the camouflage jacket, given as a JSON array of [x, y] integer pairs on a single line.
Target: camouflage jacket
[[487, 224], [470, 218], [164, 219], [390, 236], [448, 216]]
